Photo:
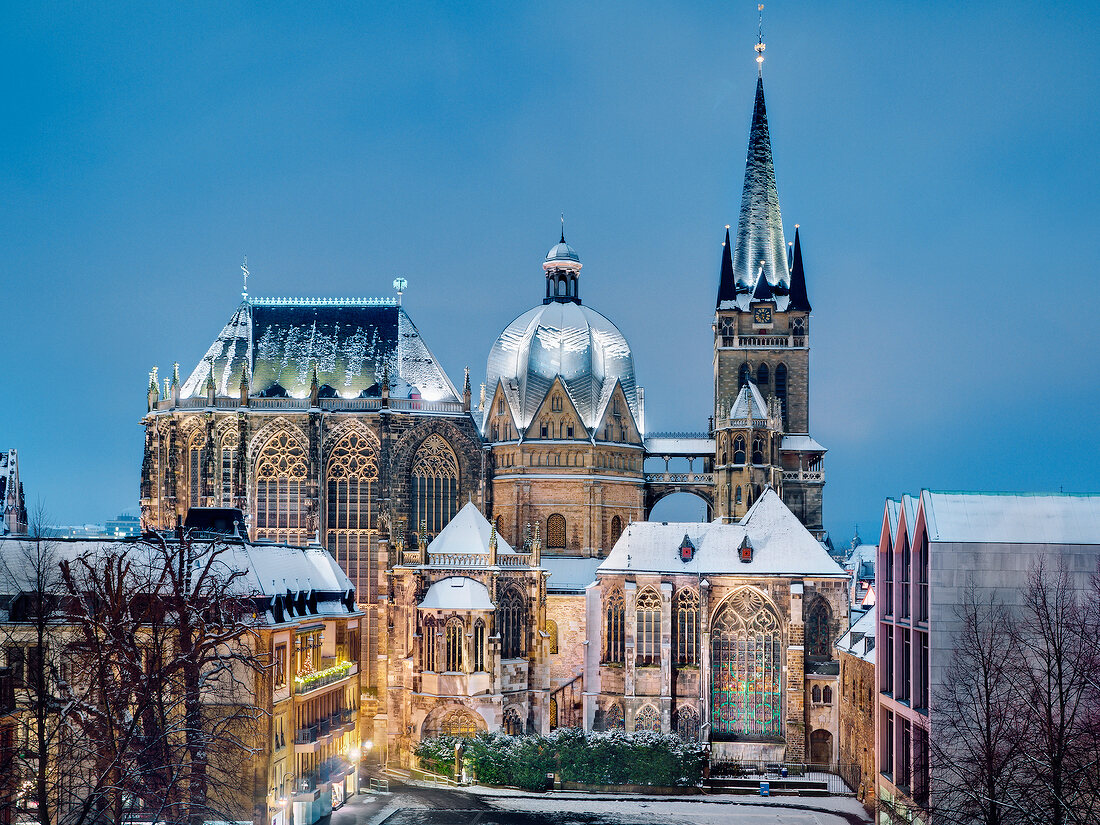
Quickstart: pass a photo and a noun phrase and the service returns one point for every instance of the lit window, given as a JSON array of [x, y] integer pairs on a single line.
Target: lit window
[[648, 636]]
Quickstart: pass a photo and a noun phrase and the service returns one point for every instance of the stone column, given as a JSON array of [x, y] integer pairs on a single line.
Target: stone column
[[630, 626], [667, 618], [795, 732]]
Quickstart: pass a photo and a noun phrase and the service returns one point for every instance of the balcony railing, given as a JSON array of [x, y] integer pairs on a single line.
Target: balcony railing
[[344, 404], [803, 475], [313, 681], [786, 341], [679, 478]]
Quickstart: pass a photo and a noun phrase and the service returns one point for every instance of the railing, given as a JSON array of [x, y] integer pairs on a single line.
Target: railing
[[676, 435], [380, 785], [345, 404], [728, 423], [679, 478], [307, 735], [318, 680], [830, 774], [803, 475], [465, 560], [733, 341]]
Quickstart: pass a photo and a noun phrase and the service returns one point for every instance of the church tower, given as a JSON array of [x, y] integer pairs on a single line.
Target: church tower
[[762, 351]]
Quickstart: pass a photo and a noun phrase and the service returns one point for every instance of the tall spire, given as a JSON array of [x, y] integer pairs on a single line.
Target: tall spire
[[727, 286], [760, 225], [799, 299]]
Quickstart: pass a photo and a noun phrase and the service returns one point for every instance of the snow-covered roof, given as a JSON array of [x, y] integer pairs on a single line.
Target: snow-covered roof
[[351, 342], [749, 398], [1012, 518], [801, 444], [457, 593], [679, 446], [860, 638], [570, 573], [781, 546], [468, 532], [864, 553]]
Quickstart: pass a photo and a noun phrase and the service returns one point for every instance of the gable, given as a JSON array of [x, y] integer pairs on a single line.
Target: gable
[[557, 416], [616, 421]]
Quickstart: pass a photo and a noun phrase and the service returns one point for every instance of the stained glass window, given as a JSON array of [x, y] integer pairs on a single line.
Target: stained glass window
[[553, 713], [687, 627], [351, 472], [758, 451], [647, 719], [454, 637], [687, 723], [228, 468], [427, 645], [511, 623], [434, 482], [648, 636], [479, 646], [614, 719], [196, 456], [739, 450], [746, 683], [555, 532], [615, 614], [817, 629], [455, 723], [281, 472]]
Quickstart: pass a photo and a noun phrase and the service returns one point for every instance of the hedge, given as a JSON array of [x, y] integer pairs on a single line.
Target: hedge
[[593, 758]]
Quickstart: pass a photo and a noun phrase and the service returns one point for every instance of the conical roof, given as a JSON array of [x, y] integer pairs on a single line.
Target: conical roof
[[727, 284], [799, 299], [760, 225]]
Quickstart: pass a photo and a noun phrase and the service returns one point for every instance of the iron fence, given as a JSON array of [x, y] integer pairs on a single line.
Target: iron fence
[[833, 777]]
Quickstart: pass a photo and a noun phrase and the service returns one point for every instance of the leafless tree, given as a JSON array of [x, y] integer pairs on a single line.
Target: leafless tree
[[1057, 676], [976, 752]]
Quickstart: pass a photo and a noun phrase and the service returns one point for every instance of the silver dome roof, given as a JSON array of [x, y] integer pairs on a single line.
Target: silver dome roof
[[568, 340], [562, 252]]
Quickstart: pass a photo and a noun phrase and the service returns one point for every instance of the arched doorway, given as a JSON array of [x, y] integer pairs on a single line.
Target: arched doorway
[[821, 747]]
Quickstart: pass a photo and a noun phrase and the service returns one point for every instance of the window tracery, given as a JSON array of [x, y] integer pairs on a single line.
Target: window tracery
[[434, 480], [427, 645], [454, 638], [746, 698], [351, 472], [818, 618], [616, 529], [229, 448], [281, 479], [687, 627], [614, 720], [512, 724], [648, 635], [552, 632], [739, 450], [512, 623], [687, 723], [614, 616], [647, 719]]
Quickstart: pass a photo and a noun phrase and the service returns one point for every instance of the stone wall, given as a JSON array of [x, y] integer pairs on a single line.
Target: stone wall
[[857, 724]]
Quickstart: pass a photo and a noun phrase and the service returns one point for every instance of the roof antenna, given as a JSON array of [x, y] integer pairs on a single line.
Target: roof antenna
[[400, 284], [760, 42], [563, 227], [244, 272]]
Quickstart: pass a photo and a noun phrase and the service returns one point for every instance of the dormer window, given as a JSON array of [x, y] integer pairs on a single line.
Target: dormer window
[[745, 550], [687, 549]]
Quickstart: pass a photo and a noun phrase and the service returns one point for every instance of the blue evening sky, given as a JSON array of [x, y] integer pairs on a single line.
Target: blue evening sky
[[941, 160]]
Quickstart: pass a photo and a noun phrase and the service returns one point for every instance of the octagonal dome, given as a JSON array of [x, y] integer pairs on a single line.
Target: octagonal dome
[[562, 252], [566, 340]]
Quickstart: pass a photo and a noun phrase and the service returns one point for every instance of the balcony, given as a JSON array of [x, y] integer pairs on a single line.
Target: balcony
[[323, 678], [763, 341], [679, 478], [804, 475]]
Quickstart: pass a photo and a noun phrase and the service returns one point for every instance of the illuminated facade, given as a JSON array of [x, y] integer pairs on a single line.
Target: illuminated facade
[[720, 630]]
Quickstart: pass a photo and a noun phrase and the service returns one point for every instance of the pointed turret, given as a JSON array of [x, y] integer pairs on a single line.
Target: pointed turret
[[763, 290], [799, 298], [727, 284], [760, 225]]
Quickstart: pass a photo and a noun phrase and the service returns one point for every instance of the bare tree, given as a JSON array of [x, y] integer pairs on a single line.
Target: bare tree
[[1057, 676], [977, 750]]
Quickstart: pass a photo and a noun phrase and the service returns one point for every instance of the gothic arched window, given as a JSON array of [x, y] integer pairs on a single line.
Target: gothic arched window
[[647, 719], [511, 624], [614, 719], [758, 451], [739, 450], [762, 374], [479, 646], [827, 695], [781, 388], [434, 485], [614, 614], [196, 456], [616, 529], [687, 627], [648, 636], [228, 468], [555, 532], [738, 493], [815, 694], [281, 478], [460, 723], [746, 662], [512, 725], [351, 472], [454, 636], [427, 645], [818, 618], [552, 632], [743, 376], [687, 723]]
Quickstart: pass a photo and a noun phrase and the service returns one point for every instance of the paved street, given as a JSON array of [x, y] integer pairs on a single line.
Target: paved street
[[421, 805]]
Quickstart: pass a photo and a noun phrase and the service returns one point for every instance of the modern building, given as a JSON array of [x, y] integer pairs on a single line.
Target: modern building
[[720, 631], [932, 547], [856, 701]]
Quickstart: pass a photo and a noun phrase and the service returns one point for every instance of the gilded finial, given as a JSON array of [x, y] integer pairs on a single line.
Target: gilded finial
[[760, 40]]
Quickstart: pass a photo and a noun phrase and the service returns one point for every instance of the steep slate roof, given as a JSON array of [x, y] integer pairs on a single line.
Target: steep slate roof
[[760, 225], [349, 341], [727, 283], [468, 532], [1012, 518], [782, 546], [798, 298]]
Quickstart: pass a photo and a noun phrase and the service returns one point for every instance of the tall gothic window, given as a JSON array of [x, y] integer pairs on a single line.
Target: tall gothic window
[[817, 629], [351, 472], [743, 376], [454, 639], [614, 616], [555, 532], [195, 457], [647, 719], [427, 645], [648, 637], [281, 478], [511, 624], [687, 627], [228, 468], [746, 658], [758, 451], [762, 374], [552, 632], [781, 389], [739, 450], [434, 484], [687, 723], [479, 646], [616, 529]]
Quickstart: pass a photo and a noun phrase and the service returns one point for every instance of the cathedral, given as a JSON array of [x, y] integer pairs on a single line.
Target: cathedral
[[500, 550]]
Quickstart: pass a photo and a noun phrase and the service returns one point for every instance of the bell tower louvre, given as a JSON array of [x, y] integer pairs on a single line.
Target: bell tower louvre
[[761, 351]]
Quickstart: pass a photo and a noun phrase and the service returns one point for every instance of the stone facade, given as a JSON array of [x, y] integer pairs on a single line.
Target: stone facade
[[856, 651]]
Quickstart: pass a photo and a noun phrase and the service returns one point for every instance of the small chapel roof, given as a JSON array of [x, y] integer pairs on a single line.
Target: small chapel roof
[[468, 532], [749, 398], [457, 593], [781, 546]]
